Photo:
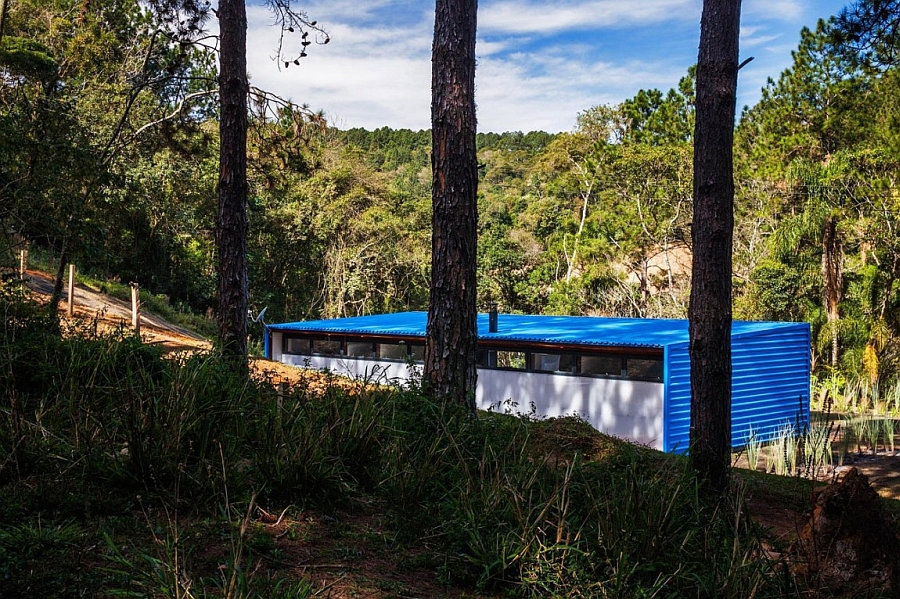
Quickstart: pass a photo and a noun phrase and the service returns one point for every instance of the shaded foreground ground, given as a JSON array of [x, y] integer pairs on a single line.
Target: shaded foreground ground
[[350, 552]]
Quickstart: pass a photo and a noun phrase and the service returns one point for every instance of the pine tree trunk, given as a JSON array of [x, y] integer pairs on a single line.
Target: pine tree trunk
[[56, 296], [231, 229], [4, 5], [451, 344], [713, 223], [832, 272]]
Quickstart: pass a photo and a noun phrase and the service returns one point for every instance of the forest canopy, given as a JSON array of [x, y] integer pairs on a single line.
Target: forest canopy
[[108, 155]]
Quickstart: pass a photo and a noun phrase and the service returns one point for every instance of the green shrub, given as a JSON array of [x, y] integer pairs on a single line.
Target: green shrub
[[316, 447], [628, 524]]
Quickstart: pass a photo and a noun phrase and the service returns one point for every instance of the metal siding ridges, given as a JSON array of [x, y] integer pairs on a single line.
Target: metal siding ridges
[[678, 400], [770, 373], [770, 382]]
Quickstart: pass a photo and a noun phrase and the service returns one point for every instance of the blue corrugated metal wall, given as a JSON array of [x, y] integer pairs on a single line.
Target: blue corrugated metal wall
[[770, 382], [770, 386], [677, 425]]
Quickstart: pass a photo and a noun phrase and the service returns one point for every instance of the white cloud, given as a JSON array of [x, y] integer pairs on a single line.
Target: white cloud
[[540, 62], [485, 48], [780, 10], [552, 17], [756, 36], [367, 76], [524, 92]]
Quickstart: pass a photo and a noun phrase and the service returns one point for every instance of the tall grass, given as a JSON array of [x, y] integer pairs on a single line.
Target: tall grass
[[888, 427], [753, 448], [631, 524], [783, 457], [856, 396]]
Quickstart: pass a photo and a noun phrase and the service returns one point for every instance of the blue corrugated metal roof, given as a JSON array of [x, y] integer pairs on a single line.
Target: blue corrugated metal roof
[[580, 330]]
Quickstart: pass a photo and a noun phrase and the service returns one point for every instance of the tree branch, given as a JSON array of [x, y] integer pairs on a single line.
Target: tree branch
[[290, 21], [176, 112]]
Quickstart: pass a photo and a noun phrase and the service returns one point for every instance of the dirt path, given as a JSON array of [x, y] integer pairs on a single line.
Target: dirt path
[[110, 311]]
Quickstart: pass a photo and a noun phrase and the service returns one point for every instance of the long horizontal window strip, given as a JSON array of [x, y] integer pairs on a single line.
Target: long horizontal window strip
[[353, 347], [583, 349], [640, 364]]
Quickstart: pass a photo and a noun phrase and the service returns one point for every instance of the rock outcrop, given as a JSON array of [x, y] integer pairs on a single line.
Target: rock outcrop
[[847, 545]]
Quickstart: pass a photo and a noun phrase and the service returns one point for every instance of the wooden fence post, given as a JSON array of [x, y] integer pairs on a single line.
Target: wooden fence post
[[23, 262], [71, 290], [135, 308]]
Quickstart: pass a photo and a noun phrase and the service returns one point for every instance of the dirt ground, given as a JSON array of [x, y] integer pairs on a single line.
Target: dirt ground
[[90, 303]]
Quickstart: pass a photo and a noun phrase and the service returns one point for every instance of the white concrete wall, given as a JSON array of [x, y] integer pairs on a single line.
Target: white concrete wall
[[624, 408], [275, 347]]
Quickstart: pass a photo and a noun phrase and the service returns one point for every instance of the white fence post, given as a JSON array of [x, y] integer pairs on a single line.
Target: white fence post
[[71, 290], [23, 262], [135, 308]]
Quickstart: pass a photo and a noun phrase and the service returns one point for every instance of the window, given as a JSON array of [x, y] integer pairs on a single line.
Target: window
[[511, 359], [602, 365], [643, 368], [499, 358], [417, 353], [553, 362], [646, 368], [360, 349], [392, 351], [294, 345], [326, 347]]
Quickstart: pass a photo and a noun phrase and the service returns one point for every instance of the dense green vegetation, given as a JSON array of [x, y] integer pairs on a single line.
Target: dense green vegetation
[[125, 473], [132, 466], [108, 159]]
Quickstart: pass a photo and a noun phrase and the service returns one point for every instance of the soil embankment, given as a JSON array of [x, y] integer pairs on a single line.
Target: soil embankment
[[110, 311]]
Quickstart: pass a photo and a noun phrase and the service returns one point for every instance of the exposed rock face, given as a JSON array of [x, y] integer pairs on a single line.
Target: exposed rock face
[[847, 544]]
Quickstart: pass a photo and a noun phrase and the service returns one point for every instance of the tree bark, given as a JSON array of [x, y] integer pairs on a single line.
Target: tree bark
[[451, 344], [232, 224], [709, 311], [832, 273], [56, 296], [4, 6]]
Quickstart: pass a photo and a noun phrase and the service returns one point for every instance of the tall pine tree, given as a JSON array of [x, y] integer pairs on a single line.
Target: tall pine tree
[[452, 336], [709, 311]]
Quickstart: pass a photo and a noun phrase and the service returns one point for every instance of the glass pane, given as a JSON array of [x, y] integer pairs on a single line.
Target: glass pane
[[641, 368], [392, 351], [292, 345], [511, 359], [545, 362], [360, 349], [326, 347], [553, 362], [418, 353], [601, 365]]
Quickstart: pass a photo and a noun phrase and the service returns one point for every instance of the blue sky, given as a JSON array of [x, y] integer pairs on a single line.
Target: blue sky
[[540, 62]]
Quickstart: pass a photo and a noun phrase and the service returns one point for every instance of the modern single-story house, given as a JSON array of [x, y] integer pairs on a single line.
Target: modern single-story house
[[627, 377]]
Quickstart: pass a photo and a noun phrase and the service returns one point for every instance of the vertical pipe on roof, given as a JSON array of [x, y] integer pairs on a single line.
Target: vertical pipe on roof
[[492, 318]]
